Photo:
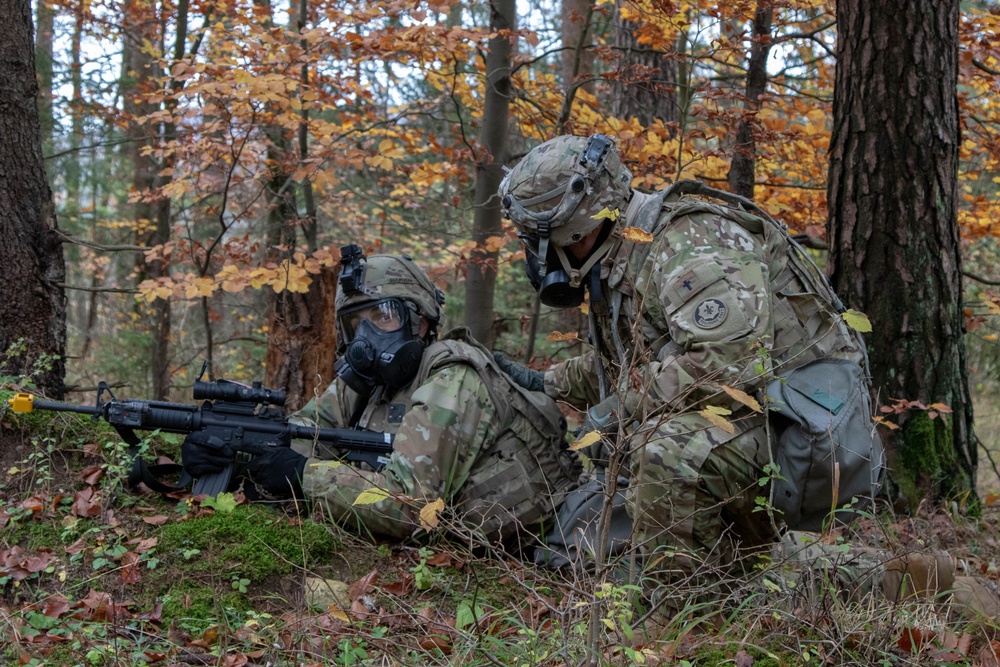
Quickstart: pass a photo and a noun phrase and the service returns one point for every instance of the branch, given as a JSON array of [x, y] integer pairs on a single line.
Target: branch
[[988, 70], [105, 248], [980, 279], [109, 290]]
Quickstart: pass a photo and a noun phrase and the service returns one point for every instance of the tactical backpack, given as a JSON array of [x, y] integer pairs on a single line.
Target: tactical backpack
[[824, 441]]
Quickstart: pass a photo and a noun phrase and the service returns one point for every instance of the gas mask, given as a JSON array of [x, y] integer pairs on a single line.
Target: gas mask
[[557, 288], [381, 346]]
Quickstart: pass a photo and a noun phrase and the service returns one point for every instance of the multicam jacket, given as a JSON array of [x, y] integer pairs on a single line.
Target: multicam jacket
[[463, 433], [713, 300]]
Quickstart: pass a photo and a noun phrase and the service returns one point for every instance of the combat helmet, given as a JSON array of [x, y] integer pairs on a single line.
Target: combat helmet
[[381, 301], [555, 195]]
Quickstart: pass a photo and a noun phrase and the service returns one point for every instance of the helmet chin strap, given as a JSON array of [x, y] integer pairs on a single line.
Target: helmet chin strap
[[576, 276]]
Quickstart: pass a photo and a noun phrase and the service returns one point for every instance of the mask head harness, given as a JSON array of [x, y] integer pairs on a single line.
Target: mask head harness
[[565, 286], [381, 305]]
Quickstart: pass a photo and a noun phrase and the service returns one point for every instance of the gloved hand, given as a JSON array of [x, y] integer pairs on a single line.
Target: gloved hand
[[529, 379], [278, 472], [203, 454], [602, 418]]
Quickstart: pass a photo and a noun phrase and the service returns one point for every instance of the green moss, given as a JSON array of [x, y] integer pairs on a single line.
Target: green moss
[[724, 655], [927, 461], [43, 535], [251, 541]]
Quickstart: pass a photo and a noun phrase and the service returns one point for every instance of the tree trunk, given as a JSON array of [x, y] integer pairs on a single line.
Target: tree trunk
[[893, 228], [646, 79], [33, 307], [577, 61], [741, 171], [482, 273], [43, 65], [301, 344]]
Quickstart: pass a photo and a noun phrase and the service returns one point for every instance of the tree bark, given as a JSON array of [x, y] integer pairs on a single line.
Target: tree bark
[[301, 343], [893, 226], [577, 60], [741, 170], [480, 282], [43, 65], [646, 79], [33, 307]]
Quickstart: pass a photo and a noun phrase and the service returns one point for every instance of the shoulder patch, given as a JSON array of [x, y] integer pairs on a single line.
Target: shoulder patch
[[710, 313]]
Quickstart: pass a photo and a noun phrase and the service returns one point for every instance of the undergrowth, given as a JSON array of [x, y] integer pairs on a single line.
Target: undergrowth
[[92, 573]]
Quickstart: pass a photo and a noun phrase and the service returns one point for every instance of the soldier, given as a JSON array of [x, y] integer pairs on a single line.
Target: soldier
[[695, 307], [493, 452]]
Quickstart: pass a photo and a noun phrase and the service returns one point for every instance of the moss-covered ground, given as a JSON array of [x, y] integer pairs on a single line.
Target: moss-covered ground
[[93, 573]]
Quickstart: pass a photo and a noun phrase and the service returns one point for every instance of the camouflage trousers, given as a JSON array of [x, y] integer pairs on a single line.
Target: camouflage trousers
[[693, 502]]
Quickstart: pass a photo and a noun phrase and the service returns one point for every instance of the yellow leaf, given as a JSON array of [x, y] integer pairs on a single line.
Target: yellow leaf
[[371, 496], [714, 414], [991, 499], [606, 213], [743, 397], [558, 335], [429, 514], [494, 243], [991, 337], [857, 321], [586, 441], [636, 235]]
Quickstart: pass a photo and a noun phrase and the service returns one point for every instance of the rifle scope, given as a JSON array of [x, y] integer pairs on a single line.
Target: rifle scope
[[227, 390]]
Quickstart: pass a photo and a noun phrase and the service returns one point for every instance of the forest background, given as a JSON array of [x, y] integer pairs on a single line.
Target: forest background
[[207, 159]]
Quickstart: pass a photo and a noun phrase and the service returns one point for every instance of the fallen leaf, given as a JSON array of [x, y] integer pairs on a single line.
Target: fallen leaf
[[636, 235], [743, 397], [157, 520], [429, 514], [371, 496], [559, 336], [714, 414], [585, 441]]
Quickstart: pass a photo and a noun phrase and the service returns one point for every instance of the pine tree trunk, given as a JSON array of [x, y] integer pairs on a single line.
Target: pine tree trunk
[[893, 225], [33, 307]]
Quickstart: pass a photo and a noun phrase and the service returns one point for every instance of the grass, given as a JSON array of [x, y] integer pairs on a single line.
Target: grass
[[91, 574]]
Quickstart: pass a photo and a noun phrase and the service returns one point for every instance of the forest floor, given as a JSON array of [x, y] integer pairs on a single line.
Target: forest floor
[[94, 574]]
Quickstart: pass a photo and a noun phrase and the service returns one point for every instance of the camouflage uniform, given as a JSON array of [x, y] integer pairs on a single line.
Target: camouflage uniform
[[463, 432], [453, 441], [712, 301]]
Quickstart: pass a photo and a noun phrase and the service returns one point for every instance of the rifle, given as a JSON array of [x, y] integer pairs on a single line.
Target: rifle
[[239, 415]]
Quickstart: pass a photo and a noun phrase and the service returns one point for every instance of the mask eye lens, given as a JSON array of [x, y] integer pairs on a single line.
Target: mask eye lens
[[506, 201], [388, 315], [578, 184]]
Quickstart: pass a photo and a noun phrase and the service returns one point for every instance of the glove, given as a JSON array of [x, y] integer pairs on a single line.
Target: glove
[[203, 454], [521, 374], [278, 472], [602, 418]]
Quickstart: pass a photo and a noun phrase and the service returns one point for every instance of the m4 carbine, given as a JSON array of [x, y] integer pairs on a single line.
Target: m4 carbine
[[237, 414]]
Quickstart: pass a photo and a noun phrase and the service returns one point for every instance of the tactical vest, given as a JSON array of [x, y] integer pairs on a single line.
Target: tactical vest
[[519, 480]]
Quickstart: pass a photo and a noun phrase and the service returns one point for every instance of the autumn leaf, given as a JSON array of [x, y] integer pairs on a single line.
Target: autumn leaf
[[991, 499], [586, 441], [743, 397], [157, 520], [857, 321], [559, 336], [716, 415], [371, 496], [607, 214], [636, 235], [429, 514]]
